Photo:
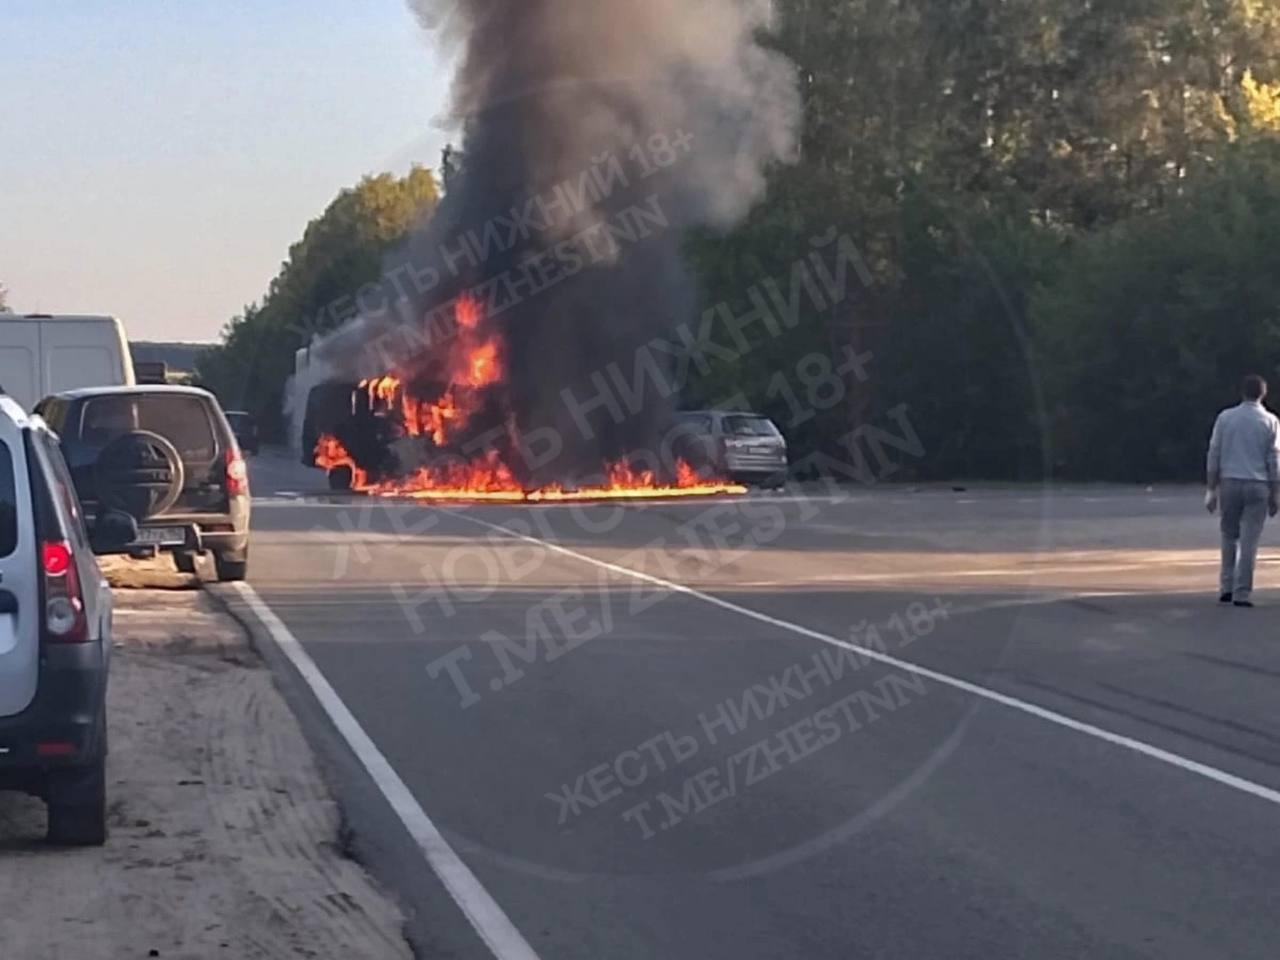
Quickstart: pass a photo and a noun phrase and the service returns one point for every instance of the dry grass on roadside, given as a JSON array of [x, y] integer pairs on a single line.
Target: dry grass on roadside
[[156, 573]]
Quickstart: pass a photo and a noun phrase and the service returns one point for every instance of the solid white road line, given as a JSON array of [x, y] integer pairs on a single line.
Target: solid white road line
[[986, 693], [494, 927]]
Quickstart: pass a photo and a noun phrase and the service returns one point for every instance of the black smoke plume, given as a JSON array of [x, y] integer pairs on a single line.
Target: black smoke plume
[[611, 126]]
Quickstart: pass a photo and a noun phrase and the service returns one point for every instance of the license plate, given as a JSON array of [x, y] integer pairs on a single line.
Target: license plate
[[162, 536]]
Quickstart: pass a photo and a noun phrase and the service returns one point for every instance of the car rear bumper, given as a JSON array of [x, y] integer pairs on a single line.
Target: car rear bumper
[[755, 465], [65, 716], [226, 533], [198, 539]]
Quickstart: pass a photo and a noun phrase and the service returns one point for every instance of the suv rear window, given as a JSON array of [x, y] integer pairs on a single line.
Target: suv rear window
[[699, 422], [182, 420], [750, 427], [8, 503]]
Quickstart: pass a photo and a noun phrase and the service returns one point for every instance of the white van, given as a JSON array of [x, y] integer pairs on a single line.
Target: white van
[[42, 354]]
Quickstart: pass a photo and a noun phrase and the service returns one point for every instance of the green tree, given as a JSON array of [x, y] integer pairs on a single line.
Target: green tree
[[975, 150], [960, 351], [314, 291], [1150, 324]]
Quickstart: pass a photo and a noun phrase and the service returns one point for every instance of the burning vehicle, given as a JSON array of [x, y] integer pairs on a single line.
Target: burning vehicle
[[506, 351], [447, 431]]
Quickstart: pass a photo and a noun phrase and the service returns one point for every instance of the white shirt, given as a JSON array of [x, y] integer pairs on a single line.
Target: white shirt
[[1245, 444]]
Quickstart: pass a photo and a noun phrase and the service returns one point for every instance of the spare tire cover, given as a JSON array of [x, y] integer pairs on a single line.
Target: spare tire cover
[[139, 473]]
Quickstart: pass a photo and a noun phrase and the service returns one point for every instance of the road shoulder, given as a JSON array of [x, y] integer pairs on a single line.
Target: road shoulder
[[225, 840]]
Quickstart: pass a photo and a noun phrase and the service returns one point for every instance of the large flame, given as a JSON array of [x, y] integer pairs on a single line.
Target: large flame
[[332, 455], [488, 478], [474, 364]]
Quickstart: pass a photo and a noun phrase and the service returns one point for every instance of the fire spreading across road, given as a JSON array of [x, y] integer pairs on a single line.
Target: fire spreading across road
[[474, 366], [556, 253]]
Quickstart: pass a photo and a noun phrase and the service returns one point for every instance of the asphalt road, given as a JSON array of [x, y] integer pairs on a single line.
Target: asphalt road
[[1089, 766]]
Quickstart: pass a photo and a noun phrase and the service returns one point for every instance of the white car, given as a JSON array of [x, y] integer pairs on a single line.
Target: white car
[[55, 633]]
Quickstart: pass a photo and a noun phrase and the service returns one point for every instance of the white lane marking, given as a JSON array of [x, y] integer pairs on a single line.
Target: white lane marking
[[986, 693], [494, 927], [961, 609], [931, 575]]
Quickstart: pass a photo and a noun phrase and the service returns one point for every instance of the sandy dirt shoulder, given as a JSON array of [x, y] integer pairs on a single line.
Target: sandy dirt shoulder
[[224, 839]]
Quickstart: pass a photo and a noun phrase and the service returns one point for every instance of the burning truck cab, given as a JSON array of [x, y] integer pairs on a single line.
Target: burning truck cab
[[342, 412], [379, 431]]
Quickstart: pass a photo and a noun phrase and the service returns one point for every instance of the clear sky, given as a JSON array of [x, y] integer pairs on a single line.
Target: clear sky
[[160, 156]]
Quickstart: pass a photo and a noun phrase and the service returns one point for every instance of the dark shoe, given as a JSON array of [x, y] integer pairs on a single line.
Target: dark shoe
[[1224, 598], [1243, 603]]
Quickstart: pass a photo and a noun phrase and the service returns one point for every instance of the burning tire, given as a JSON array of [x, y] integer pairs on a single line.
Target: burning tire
[[341, 479], [140, 473]]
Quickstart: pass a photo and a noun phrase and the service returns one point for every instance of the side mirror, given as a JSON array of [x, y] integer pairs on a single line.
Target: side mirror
[[113, 532]]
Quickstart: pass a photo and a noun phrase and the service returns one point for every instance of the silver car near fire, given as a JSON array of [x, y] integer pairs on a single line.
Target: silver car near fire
[[745, 447]]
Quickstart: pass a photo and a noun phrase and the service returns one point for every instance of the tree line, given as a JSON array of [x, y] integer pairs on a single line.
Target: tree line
[[1069, 216], [340, 251]]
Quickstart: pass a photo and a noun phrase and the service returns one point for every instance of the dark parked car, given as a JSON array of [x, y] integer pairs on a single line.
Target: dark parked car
[[245, 428], [167, 456], [55, 633]]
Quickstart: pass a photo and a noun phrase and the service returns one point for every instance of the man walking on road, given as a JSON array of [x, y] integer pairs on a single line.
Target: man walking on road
[[1244, 480]]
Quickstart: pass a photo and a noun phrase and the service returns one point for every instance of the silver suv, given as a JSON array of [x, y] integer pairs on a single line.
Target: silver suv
[[743, 446], [55, 633]]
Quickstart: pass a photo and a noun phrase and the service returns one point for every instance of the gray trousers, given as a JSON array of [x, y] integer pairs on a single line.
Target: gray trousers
[[1244, 510]]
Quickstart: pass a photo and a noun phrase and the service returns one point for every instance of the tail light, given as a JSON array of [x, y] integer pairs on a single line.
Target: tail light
[[237, 474], [64, 618]]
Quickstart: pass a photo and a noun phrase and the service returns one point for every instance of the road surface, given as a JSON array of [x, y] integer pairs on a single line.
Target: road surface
[[655, 738]]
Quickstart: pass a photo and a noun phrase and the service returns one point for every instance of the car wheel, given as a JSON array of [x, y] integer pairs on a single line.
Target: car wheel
[[139, 473], [185, 562], [77, 802], [341, 478], [228, 569]]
